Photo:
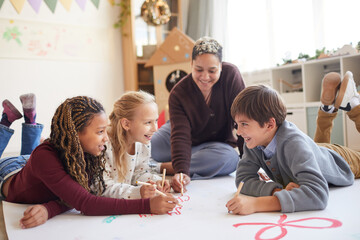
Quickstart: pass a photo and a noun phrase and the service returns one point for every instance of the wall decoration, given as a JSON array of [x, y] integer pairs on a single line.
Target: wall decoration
[[18, 5], [51, 4], [155, 12], [66, 4], [26, 39], [171, 61], [35, 4], [81, 3], [96, 3], [12, 34]]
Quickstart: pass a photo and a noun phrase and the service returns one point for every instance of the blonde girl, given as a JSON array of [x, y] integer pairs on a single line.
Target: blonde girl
[[133, 122]]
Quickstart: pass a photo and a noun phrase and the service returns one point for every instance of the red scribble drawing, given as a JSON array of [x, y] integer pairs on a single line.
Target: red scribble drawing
[[334, 224], [176, 210], [183, 198], [145, 215]]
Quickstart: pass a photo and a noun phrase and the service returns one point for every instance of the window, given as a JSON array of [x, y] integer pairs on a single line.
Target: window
[[264, 32]]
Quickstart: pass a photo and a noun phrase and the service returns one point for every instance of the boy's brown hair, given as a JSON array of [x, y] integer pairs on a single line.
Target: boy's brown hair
[[259, 103]]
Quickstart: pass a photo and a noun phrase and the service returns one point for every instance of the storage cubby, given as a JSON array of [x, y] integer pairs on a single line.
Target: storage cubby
[[288, 81], [299, 84]]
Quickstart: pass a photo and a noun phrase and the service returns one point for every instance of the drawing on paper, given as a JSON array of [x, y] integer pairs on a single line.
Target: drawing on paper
[[282, 224], [12, 34]]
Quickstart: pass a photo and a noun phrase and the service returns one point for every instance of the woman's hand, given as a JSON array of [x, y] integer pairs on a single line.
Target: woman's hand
[[34, 216], [176, 184], [166, 187], [162, 204]]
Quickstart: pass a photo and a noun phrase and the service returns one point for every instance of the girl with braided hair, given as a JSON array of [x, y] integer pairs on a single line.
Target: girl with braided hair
[[133, 122], [59, 171]]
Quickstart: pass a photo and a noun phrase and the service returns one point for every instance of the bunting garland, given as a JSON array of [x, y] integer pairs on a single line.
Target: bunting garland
[[35, 4], [95, 2], [66, 4], [51, 4], [18, 5], [81, 4]]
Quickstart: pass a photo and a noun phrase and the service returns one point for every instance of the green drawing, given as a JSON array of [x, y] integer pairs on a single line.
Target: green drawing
[[12, 34]]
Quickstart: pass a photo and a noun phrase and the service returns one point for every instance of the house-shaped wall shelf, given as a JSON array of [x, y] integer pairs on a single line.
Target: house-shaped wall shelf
[[171, 62]]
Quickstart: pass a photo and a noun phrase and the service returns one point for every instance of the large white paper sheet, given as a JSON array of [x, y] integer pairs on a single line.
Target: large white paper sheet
[[203, 215]]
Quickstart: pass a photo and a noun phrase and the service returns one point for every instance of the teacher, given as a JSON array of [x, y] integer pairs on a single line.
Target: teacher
[[199, 140]]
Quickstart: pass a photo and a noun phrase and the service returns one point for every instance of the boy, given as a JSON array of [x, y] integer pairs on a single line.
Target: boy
[[300, 169]]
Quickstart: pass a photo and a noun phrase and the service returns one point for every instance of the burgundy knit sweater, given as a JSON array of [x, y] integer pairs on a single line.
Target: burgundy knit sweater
[[194, 122], [43, 180]]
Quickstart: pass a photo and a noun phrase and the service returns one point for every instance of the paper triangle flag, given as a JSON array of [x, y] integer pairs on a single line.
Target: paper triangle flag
[[18, 5], [66, 4], [81, 4], [1, 3], [35, 4], [51, 4], [95, 2]]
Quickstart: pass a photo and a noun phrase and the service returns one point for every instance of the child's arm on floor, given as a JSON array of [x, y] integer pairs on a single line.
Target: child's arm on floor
[[245, 205], [246, 171], [34, 216]]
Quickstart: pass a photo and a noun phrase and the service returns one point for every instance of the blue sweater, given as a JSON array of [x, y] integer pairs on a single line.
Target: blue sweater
[[297, 159]]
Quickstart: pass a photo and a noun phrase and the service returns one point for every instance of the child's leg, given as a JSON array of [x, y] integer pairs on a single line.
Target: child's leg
[[351, 156], [29, 104], [5, 135], [324, 125], [30, 138], [8, 167], [348, 97], [330, 86], [354, 114], [9, 114]]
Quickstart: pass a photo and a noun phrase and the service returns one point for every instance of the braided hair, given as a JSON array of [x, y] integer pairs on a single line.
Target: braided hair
[[71, 117]]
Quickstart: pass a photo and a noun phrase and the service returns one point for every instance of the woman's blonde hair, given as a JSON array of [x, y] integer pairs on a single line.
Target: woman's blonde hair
[[124, 107]]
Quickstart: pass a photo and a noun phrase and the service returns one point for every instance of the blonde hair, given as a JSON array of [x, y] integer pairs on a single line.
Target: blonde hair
[[124, 107]]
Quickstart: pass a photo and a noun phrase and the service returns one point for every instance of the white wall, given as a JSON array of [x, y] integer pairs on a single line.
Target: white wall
[[54, 79]]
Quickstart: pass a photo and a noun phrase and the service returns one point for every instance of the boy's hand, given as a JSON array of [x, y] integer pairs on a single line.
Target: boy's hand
[[291, 186], [175, 183], [162, 204], [147, 191], [34, 216], [166, 187], [242, 205]]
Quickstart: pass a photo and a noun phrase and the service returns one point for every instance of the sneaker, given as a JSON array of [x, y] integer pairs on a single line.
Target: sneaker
[[346, 92], [330, 85], [10, 110]]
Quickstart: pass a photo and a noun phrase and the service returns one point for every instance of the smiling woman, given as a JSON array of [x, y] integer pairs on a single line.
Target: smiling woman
[[198, 142]]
